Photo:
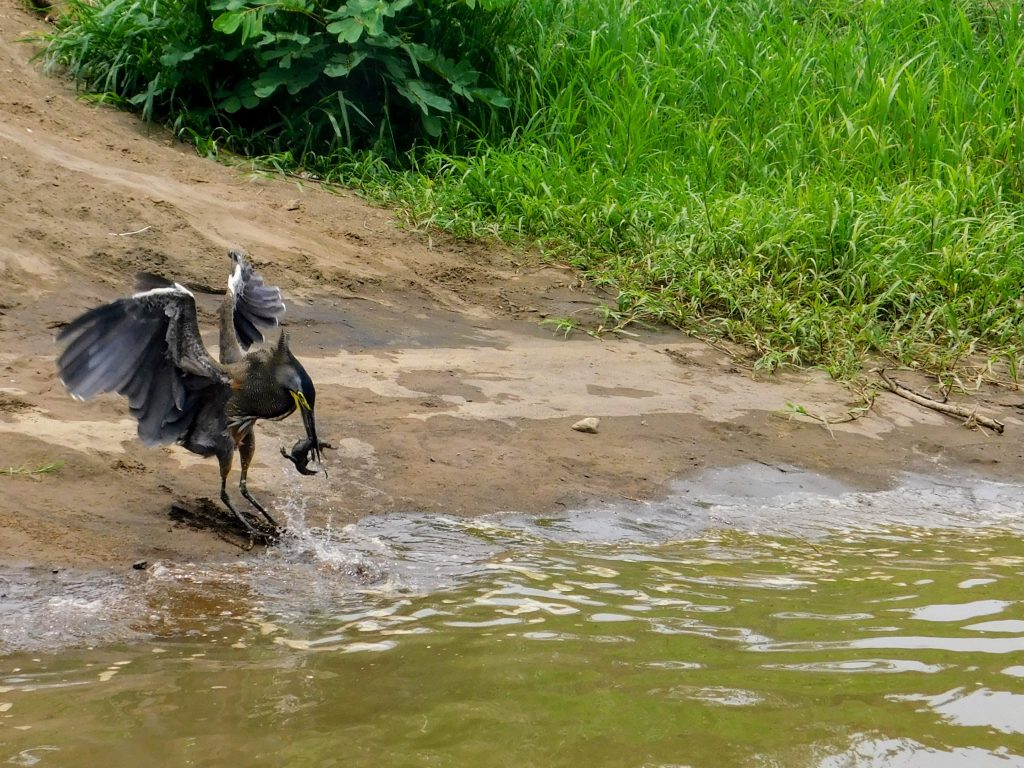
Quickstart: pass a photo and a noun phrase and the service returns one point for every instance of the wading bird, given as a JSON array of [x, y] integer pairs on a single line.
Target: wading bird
[[147, 347]]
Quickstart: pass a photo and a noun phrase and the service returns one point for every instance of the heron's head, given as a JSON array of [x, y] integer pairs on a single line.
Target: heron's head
[[299, 385]]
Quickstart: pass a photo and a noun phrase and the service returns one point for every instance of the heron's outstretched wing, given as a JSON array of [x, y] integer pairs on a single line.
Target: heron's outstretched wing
[[147, 348], [255, 307]]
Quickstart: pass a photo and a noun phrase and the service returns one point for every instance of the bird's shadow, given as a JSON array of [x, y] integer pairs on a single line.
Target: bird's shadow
[[204, 514]]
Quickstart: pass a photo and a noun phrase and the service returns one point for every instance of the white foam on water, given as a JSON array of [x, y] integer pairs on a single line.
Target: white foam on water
[[380, 562]]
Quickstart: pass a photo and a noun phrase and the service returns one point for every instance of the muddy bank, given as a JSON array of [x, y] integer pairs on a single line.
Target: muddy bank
[[436, 379]]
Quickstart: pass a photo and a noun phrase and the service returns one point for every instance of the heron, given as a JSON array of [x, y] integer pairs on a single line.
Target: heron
[[147, 347]]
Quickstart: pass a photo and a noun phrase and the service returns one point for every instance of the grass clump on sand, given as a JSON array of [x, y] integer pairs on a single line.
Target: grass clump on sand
[[822, 180], [34, 471]]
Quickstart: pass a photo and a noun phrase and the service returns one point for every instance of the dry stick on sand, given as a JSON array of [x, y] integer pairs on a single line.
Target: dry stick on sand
[[126, 234], [971, 416]]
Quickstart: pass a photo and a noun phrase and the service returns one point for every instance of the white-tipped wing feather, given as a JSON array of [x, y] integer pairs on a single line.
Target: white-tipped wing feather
[[256, 306], [147, 348]]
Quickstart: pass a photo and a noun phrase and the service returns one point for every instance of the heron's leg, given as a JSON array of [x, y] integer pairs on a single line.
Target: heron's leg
[[246, 450], [225, 458]]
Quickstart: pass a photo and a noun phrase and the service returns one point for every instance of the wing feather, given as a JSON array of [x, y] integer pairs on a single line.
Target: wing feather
[[256, 307], [147, 348]]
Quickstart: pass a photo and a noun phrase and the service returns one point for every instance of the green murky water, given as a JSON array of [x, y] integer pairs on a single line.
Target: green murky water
[[610, 642]]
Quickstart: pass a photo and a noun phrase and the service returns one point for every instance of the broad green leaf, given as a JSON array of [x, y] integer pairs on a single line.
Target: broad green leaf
[[252, 25], [462, 73], [373, 20], [421, 94], [342, 64], [302, 77], [348, 30], [384, 41], [431, 124], [175, 56], [228, 22], [396, 68], [419, 52], [264, 87], [295, 78], [492, 96]]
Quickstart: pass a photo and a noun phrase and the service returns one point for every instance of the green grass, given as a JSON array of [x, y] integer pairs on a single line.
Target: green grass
[[25, 470], [822, 180]]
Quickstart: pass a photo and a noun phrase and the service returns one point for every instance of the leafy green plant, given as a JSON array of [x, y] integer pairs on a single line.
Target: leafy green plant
[[301, 75], [563, 325]]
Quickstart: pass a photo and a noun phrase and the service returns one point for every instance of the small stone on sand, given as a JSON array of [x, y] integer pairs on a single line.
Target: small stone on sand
[[588, 425]]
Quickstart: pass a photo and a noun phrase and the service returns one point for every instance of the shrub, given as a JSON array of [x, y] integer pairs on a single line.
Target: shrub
[[295, 75]]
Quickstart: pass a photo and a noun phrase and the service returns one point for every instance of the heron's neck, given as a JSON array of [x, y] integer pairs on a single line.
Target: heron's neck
[[230, 351]]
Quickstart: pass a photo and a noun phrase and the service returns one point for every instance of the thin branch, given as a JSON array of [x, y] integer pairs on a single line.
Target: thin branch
[[126, 234], [970, 416]]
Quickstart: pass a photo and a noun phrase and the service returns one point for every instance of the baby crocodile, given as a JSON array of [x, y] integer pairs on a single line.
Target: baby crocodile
[[303, 452]]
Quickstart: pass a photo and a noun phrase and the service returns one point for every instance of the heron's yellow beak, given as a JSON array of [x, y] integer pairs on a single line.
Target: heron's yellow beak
[[300, 401], [306, 411]]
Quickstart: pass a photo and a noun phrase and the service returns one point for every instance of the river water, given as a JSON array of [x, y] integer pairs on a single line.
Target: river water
[[754, 618]]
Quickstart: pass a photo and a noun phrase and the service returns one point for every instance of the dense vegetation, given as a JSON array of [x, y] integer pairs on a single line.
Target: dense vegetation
[[820, 179], [292, 75]]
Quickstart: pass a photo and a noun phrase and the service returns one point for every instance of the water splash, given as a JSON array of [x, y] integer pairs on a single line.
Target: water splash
[[320, 567]]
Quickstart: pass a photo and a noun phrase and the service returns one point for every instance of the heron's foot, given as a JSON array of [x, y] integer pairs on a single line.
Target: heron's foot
[[260, 508], [257, 530], [263, 530]]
